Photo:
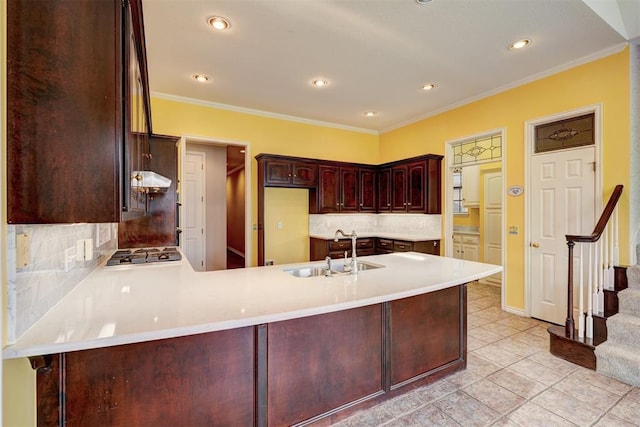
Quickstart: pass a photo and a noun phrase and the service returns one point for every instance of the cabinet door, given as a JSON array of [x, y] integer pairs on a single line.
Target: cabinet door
[[367, 190], [416, 187], [349, 189], [384, 190], [434, 188], [328, 189], [471, 186], [64, 111], [305, 174], [398, 189], [277, 172]]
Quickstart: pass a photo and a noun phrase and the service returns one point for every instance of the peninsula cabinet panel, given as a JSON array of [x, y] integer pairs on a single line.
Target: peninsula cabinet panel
[[66, 139], [205, 379], [319, 363], [427, 332]]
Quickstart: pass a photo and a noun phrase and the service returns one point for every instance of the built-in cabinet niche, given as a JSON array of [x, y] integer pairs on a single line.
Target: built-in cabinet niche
[[77, 123]]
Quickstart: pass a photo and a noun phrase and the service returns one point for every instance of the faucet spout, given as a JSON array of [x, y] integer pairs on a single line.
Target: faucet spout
[[354, 238]]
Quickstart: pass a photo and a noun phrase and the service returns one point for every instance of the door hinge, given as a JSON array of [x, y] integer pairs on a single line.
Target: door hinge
[[202, 231], [593, 166]]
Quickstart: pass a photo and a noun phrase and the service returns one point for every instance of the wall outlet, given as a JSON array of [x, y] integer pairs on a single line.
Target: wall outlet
[[268, 262], [22, 249]]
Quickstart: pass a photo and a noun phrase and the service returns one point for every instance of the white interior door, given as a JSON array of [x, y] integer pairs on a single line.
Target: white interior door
[[493, 223], [194, 225], [562, 202]]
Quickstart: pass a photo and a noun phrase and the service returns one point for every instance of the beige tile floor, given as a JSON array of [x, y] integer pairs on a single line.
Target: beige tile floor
[[511, 380]]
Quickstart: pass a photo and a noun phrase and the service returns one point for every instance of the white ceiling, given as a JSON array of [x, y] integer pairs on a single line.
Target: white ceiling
[[374, 53]]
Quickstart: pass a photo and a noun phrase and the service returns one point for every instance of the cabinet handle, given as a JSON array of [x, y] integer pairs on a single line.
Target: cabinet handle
[[401, 246], [388, 204], [408, 204], [435, 243]]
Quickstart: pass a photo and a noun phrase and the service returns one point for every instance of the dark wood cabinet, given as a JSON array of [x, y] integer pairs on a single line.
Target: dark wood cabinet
[[310, 370], [383, 178], [386, 246], [158, 226], [409, 185], [279, 172], [319, 249], [68, 109], [337, 189], [367, 193]]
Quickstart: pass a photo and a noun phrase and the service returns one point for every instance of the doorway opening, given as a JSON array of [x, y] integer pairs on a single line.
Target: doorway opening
[[215, 204], [474, 196]]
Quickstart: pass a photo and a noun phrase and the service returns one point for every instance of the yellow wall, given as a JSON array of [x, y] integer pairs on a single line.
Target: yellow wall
[[19, 382], [264, 135], [290, 208], [605, 82]]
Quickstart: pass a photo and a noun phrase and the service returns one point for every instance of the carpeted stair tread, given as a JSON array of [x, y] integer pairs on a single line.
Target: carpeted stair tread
[[619, 361], [629, 302], [624, 329], [633, 276]]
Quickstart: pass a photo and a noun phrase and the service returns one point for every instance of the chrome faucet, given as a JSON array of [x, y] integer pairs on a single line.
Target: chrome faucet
[[354, 257], [327, 271]]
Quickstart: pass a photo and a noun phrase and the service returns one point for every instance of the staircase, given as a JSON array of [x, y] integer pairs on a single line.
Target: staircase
[[608, 324], [619, 356]]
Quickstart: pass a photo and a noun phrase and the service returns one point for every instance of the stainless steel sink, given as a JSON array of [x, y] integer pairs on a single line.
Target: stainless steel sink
[[307, 271], [337, 267]]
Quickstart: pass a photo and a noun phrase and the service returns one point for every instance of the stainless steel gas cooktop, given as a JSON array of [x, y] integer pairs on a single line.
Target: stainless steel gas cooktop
[[143, 256]]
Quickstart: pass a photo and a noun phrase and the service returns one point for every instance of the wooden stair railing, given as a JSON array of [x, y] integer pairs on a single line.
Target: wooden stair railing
[[591, 238]]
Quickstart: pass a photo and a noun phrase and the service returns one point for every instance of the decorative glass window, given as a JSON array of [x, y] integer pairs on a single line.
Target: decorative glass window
[[458, 206], [477, 150], [566, 133]]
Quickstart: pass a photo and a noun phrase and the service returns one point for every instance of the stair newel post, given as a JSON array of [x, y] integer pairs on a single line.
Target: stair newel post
[[569, 324]]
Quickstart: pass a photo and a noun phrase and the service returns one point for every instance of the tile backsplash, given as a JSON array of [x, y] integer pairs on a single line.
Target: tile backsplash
[[400, 224], [52, 269]]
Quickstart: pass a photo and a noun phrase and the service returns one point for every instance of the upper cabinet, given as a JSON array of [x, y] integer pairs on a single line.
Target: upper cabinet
[[412, 185], [338, 189], [287, 172], [77, 110], [367, 186], [471, 186]]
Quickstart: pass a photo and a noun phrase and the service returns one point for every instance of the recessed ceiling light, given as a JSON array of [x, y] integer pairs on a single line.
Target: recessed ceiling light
[[319, 82], [202, 78], [427, 86], [370, 113], [422, 1], [219, 22], [519, 44]]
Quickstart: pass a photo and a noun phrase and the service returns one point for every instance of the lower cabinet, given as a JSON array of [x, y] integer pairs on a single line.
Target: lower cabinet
[[321, 248], [466, 246], [300, 371]]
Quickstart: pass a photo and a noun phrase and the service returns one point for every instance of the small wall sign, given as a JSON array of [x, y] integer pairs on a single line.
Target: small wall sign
[[515, 190]]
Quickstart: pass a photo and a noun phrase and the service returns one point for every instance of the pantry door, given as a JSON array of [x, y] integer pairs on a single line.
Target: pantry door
[[562, 202], [194, 212]]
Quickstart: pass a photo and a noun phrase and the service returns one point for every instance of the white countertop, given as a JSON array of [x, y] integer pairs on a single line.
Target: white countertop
[[128, 304], [392, 236]]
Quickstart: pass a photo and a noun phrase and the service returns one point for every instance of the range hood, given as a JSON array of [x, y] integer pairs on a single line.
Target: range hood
[[149, 182]]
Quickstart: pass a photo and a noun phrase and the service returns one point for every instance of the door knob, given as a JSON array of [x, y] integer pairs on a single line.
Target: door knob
[[534, 244]]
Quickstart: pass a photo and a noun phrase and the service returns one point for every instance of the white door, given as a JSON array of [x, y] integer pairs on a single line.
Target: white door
[[493, 223], [194, 226], [562, 202]]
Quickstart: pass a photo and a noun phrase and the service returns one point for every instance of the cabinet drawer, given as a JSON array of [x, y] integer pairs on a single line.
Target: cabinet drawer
[[384, 245], [471, 240], [340, 254], [402, 246], [340, 245], [365, 243]]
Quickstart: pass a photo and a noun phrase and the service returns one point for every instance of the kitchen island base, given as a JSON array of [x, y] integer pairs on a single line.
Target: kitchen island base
[[309, 370]]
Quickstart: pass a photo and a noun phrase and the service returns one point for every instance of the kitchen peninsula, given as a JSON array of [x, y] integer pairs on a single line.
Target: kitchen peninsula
[[165, 345]]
